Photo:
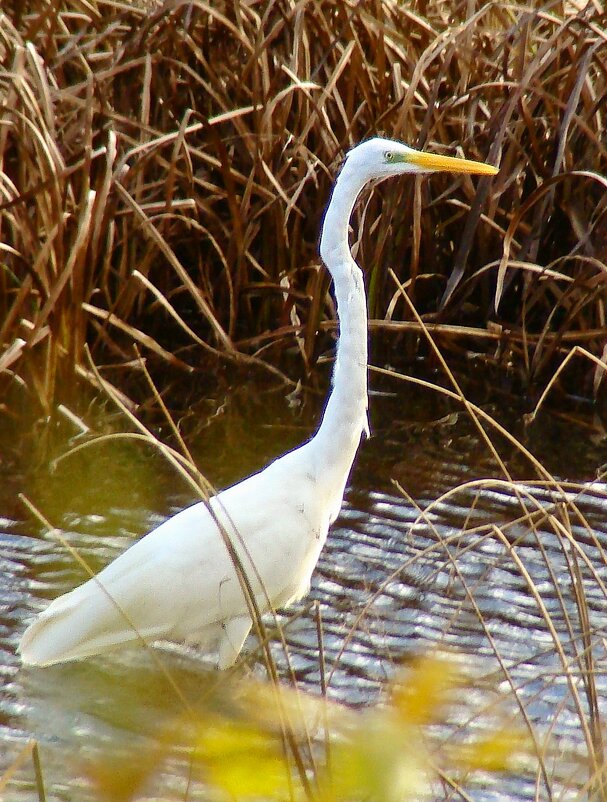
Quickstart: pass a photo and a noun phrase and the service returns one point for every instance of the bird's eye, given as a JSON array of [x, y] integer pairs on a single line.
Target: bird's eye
[[388, 155]]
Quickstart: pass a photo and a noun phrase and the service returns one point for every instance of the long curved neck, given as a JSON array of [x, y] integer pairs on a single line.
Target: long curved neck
[[345, 415]]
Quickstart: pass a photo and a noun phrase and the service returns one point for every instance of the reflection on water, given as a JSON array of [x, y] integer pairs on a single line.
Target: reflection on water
[[494, 575]]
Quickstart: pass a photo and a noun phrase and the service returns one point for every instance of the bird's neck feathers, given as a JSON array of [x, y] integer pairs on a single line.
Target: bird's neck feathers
[[345, 415], [334, 246]]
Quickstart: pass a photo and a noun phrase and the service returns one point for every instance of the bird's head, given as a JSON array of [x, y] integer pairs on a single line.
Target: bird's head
[[375, 160], [380, 158]]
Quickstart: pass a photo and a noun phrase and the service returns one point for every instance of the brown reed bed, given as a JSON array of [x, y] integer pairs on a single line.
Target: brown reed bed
[[164, 169]]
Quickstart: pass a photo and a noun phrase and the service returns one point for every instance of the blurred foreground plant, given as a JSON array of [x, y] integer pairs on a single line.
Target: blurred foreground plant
[[279, 743]]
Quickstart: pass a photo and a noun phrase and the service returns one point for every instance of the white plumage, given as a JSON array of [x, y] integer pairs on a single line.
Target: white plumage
[[179, 582]]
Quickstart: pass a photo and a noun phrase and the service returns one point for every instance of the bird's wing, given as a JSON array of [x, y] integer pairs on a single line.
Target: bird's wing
[[143, 593], [179, 580]]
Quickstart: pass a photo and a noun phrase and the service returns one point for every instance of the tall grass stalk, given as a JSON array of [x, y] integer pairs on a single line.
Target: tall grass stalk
[[178, 157]]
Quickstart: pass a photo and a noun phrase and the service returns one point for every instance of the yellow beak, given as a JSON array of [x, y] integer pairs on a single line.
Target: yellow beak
[[432, 161]]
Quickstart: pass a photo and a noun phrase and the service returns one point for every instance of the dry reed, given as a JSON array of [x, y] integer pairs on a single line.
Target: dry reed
[[163, 171]]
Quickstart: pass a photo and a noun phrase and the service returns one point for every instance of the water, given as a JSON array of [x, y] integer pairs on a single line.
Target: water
[[502, 579]]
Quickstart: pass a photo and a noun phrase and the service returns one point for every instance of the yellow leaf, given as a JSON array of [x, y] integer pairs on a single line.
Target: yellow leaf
[[421, 692], [494, 753], [382, 758], [243, 760]]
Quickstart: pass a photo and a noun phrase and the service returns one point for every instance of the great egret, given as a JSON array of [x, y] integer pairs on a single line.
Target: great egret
[[179, 581]]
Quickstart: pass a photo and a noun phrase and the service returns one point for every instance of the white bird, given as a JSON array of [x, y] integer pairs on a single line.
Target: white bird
[[179, 582]]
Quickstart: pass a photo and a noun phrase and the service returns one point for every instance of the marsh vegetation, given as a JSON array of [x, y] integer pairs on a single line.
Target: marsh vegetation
[[163, 173]]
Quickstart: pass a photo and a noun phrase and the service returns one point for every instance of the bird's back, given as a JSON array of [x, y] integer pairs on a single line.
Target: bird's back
[[179, 582]]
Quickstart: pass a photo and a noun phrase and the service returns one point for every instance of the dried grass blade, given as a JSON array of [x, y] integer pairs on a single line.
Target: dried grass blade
[[164, 302], [523, 209], [167, 251], [12, 354], [139, 336], [77, 254]]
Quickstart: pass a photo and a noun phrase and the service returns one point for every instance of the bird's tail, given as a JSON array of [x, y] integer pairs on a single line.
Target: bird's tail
[[72, 628]]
